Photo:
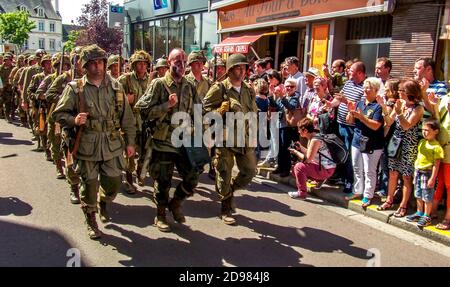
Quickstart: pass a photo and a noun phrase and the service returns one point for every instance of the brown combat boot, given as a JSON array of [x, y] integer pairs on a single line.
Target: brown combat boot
[[175, 208], [130, 188], [160, 219], [140, 180], [92, 227], [226, 211], [104, 215], [74, 194], [59, 169]]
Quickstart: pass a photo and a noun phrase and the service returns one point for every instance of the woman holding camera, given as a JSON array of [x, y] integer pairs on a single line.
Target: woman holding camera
[[314, 161], [368, 141]]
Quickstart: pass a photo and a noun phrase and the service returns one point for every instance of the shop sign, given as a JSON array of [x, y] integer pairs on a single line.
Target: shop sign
[[319, 53], [162, 7], [261, 11], [231, 49]]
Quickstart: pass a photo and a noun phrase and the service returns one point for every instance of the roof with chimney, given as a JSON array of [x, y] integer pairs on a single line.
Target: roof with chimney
[[32, 7]]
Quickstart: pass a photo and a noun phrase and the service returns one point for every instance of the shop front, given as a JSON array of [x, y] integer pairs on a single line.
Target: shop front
[[159, 26], [316, 31]]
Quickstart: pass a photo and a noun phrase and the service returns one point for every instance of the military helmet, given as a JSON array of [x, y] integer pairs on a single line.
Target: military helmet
[[32, 58], [219, 62], [91, 53], [21, 57], [40, 53], [196, 56], [113, 59], [161, 63], [46, 58], [56, 61], [7, 56], [140, 56], [235, 60]]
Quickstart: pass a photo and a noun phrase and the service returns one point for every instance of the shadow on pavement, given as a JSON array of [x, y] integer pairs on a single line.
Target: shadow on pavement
[[14, 206], [6, 139], [22, 246], [200, 249]]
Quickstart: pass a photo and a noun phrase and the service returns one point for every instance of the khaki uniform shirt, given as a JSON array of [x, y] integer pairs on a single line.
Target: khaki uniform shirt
[[26, 77], [244, 102], [154, 106], [57, 87], [101, 138], [202, 86], [4, 75]]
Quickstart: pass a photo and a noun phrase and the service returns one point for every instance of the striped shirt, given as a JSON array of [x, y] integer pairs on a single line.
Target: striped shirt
[[438, 87], [353, 92]]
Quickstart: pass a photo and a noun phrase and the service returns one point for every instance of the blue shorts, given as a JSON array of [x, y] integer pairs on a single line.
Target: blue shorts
[[420, 183]]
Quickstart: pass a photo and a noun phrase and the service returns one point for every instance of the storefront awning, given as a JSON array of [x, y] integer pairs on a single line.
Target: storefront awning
[[237, 44]]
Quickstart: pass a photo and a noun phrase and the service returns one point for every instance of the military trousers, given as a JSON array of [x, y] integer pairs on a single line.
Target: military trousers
[[54, 140], [103, 176], [7, 102], [161, 170], [224, 163]]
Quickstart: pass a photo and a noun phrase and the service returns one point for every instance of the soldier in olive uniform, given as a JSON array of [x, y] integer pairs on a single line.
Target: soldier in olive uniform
[[38, 104], [104, 114], [196, 61], [24, 82], [59, 151], [232, 95], [41, 95], [6, 93], [18, 81], [20, 64], [135, 84], [113, 66], [166, 96]]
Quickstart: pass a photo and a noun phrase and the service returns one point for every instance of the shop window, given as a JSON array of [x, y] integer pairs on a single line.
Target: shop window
[[160, 38], [175, 32], [209, 35], [192, 33], [148, 37], [137, 36], [372, 27]]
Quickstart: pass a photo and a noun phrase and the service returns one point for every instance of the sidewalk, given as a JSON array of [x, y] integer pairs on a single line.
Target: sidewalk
[[335, 195]]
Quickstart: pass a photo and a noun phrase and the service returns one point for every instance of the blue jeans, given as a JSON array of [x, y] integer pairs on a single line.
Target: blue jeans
[[346, 132], [383, 176]]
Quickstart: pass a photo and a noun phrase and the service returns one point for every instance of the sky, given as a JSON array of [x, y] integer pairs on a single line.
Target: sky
[[71, 9]]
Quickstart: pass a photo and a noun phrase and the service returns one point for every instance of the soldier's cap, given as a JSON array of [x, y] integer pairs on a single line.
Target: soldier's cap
[[45, 59], [92, 53], [113, 59], [140, 56], [236, 60], [161, 63], [196, 56]]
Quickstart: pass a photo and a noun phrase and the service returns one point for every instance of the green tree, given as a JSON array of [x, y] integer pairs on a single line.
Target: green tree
[[15, 27], [72, 40]]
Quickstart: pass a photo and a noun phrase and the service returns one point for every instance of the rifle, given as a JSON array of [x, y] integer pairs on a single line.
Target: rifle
[[82, 104], [215, 67], [61, 63], [120, 60]]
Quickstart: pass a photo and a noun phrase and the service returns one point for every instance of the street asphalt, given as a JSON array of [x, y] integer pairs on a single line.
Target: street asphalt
[[39, 226]]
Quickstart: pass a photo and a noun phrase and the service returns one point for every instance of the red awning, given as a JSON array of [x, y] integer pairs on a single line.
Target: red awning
[[236, 44]]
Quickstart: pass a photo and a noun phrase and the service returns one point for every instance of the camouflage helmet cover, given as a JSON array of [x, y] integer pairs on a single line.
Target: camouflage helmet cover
[[235, 60], [113, 59], [219, 62], [196, 56], [140, 56], [56, 60], [161, 63], [91, 53], [21, 57], [40, 53], [45, 59], [7, 56]]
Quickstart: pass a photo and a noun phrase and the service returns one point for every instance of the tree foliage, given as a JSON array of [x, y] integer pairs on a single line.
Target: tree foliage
[[72, 40], [15, 27], [94, 20]]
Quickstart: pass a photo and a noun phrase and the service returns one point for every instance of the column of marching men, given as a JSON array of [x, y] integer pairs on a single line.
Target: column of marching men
[[106, 122]]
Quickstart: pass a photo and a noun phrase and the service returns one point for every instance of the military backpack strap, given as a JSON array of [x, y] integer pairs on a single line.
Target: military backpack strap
[[120, 102]]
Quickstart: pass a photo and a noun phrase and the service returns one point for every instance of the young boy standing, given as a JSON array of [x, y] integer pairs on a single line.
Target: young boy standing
[[429, 157]]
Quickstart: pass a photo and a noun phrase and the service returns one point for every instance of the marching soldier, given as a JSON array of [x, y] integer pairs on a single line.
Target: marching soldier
[[24, 83], [113, 66], [196, 61], [166, 96], [38, 104], [30, 61], [41, 95], [59, 151], [6, 94], [97, 107], [20, 64], [232, 95], [135, 84]]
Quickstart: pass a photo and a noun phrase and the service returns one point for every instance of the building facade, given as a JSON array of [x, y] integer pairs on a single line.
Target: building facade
[[48, 32], [319, 31], [159, 26]]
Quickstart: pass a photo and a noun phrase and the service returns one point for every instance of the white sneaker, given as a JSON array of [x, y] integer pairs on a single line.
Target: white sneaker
[[296, 194]]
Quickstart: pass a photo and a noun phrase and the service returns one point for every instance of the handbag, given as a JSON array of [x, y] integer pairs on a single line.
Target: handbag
[[363, 144], [394, 147]]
